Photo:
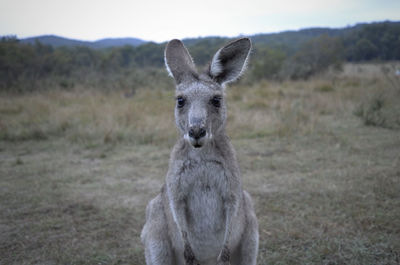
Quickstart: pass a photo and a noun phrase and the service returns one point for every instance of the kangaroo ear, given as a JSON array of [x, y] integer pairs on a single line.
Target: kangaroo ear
[[230, 61], [178, 61]]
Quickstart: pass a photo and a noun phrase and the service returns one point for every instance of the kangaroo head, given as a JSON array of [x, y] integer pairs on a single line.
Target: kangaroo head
[[200, 112]]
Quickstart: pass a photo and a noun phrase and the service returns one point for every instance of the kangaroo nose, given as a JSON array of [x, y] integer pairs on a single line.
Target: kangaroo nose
[[197, 132]]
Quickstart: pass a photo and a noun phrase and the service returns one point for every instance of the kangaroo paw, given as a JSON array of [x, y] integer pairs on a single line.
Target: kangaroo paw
[[224, 257], [190, 259]]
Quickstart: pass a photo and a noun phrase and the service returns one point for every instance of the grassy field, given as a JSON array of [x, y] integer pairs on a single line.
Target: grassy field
[[321, 159]]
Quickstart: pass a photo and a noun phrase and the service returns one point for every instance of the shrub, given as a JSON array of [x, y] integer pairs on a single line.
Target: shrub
[[324, 88], [314, 57], [380, 109]]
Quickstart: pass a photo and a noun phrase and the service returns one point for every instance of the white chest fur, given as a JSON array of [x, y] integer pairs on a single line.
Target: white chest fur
[[204, 181]]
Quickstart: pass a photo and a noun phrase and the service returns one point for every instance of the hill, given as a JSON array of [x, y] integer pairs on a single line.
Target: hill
[[289, 41], [117, 42], [39, 62], [57, 41]]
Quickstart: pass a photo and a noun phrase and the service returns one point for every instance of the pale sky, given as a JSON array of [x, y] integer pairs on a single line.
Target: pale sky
[[164, 20]]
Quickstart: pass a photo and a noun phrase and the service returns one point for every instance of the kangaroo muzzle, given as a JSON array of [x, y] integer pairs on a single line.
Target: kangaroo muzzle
[[196, 135]]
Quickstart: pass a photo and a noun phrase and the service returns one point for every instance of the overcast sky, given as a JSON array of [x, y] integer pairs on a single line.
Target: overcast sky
[[164, 20]]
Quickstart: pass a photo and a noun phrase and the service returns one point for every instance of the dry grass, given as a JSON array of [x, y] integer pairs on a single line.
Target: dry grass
[[77, 169], [88, 116]]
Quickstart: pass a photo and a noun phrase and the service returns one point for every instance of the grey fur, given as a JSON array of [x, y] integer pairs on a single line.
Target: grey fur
[[202, 215]]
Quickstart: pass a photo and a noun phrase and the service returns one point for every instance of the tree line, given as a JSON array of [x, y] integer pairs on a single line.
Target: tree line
[[287, 55]]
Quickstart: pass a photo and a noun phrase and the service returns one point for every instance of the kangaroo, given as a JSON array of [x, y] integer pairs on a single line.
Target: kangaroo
[[202, 215]]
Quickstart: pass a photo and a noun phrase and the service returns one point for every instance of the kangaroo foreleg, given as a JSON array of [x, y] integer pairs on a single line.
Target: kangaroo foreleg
[[178, 209], [231, 209]]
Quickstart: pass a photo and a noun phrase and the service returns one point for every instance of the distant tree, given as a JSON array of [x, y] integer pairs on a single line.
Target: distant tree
[[376, 41], [313, 57], [364, 50], [266, 63], [16, 60], [390, 43], [150, 55]]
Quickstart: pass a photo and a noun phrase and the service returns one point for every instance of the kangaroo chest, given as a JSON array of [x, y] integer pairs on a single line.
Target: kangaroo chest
[[206, 184]]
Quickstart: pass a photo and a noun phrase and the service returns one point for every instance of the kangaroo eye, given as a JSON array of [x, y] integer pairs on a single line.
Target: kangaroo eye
[[180, 102], [216, 101]]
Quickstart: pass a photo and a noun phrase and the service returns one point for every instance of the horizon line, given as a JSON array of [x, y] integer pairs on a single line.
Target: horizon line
[[195, 37]]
